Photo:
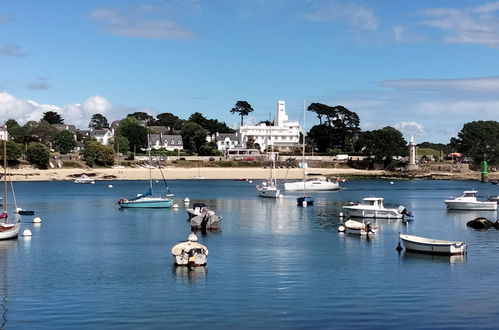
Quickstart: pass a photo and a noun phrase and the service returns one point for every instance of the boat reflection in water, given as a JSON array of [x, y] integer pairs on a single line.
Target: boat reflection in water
[[4, 266], [452, 259], [189, 274]]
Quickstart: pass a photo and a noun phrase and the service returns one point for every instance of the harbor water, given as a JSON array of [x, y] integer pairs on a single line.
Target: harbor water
[[90, 265]]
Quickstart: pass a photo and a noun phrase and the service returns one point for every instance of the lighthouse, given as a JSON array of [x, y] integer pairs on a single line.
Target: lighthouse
[[412, 166]]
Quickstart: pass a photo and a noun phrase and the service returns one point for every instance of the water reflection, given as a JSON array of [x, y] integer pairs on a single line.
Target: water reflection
[[410, 255], [4, 258], [189, 274]]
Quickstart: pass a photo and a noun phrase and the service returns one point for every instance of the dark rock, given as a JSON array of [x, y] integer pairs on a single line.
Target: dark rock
[[482, 223]]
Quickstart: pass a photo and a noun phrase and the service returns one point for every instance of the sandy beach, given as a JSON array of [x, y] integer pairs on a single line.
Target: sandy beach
[[174, 173]]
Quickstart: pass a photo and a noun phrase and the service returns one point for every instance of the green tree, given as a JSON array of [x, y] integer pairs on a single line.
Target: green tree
[[242, 108], [41, 132], [98, 121], [64, 141], [209, 149], [198, 118], [52, 117], [143, 117], [136, 134], [440, 147], [16, 132], [193, 135], [479, 140], [250, 142], [338, 127], [95, 153], [38, 154], [121, 144], [169, 120], [14, 152], [382, 144]]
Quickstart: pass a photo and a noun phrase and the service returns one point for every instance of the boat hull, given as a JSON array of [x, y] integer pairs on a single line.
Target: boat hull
[[374, 213], [147, 203], [9, 231], [482, 206], [358, 228], [434, 246], [314, 186], [269, 193], [304, 200]]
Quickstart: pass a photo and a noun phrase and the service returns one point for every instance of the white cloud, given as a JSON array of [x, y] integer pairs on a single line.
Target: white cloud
[[482, 85], [409, 128], [139, 24], [76, 114], [477, 25], [356, 15], [96, 104]]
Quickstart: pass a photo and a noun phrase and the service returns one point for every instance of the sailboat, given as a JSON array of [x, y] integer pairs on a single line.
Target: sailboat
[[146, 200], [7, 230], [304, 200], [269, 187], [199, 176]]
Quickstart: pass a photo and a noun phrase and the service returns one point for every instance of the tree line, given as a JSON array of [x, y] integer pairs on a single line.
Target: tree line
[[338, 131]]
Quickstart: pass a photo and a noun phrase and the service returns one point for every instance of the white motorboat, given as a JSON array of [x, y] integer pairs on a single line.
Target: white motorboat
[[359, 228], [190, 252], [430, 245], [314, 183], [84, 179], [372, 207], [197, 209], [468, 201], [206, 221]]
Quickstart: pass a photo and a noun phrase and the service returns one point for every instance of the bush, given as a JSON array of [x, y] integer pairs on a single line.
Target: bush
[[38, 154]]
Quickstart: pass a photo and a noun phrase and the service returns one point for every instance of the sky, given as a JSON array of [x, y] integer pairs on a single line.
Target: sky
[[424, 67]]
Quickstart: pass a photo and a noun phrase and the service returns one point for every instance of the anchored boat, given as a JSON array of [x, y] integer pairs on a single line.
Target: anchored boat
[[430, 245], [372, 207]]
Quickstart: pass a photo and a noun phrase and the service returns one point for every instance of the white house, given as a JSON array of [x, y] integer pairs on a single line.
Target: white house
[[226, 141], [284, 135], [169, 142], [4, 135], [104, 136]]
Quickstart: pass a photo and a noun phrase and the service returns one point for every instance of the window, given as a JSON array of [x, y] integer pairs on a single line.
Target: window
[[172, 141], [179, 142]]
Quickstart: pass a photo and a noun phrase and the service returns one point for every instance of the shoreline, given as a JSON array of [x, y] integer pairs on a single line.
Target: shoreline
[[230, 173]]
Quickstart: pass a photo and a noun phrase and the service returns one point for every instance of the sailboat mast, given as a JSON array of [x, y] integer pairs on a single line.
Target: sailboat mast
[[5, 168], [150, 162], [303, 148]]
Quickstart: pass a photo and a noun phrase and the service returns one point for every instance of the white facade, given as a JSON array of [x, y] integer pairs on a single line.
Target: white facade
[[4, 135], [284, 135], [226, 141]]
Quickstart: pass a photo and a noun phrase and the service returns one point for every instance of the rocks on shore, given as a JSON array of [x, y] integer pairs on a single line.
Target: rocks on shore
[[482, 223]]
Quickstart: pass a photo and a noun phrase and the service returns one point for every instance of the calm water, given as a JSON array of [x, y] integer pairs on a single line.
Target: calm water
[[273, 265]]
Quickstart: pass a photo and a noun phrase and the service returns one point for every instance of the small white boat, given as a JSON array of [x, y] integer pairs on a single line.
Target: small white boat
[[372, 207], [84, 179], [190, 252], [468, 201], [268, 189], [359, 228], [314, 183], [430, 245], [9, 230]]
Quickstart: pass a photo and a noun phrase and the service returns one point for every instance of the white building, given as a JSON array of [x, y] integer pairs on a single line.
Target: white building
[[4, 135], [168, 142], [284, 135]]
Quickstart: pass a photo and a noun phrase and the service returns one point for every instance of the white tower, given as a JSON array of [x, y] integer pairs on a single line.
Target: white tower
[[412, 156], [281, 116]]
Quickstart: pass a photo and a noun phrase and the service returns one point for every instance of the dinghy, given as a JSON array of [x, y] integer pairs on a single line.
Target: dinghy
[[430, 245]]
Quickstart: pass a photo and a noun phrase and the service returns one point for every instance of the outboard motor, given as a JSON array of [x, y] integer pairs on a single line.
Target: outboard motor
[[402, 210]]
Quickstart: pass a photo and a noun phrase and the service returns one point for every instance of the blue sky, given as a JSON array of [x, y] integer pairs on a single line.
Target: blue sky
[[424, 67]]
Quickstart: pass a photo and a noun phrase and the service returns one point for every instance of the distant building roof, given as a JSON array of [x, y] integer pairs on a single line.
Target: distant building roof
[[64, 127]]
